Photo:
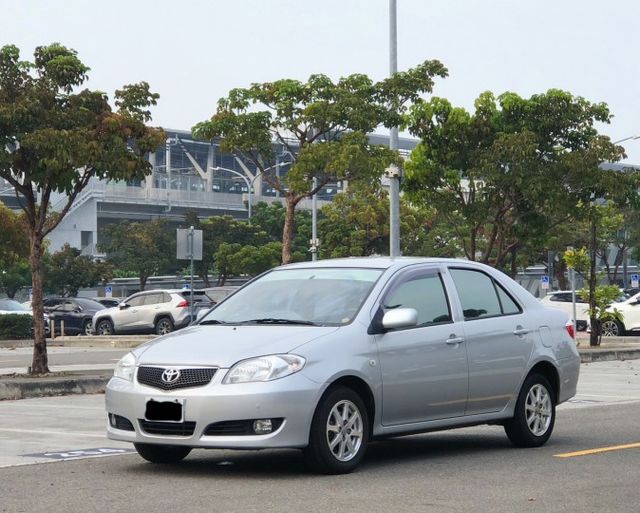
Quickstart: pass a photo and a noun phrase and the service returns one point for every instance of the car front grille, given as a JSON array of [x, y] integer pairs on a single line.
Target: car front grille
[[190, 377], [168, 428]]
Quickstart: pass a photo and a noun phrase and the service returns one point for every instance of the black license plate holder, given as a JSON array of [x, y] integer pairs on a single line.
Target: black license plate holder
[[164, 410]]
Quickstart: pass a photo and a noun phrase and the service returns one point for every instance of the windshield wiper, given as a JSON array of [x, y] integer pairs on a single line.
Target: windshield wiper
[[273, 320], [212, 321]]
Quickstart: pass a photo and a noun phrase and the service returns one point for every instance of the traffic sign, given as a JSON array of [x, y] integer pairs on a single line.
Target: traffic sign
[[544, 282], [635, 280], [108, 291], [186, 286]]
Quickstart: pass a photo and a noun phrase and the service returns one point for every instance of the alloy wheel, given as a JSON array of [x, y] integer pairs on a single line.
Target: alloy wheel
[[164, 327], [344, 430], [610, 329], [538, 410], [87, 328]]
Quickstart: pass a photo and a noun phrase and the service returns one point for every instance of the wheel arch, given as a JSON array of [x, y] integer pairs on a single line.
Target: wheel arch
[[360, 387], [162, 316], [549, 371]]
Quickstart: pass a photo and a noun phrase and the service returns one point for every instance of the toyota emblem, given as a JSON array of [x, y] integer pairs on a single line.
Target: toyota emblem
[[170, 375]]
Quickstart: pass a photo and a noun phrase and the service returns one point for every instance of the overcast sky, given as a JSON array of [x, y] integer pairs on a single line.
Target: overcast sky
[[193, 51]]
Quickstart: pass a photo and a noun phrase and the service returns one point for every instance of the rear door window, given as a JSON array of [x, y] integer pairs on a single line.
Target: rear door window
[[481, 296]]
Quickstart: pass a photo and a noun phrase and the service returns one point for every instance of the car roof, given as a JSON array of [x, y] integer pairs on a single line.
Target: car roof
[[378, 262]]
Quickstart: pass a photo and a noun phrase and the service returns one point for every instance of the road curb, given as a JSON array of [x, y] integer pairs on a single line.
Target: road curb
[[608, 355], [41, 387]]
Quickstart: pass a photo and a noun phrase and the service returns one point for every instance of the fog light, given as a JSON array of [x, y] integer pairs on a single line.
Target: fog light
[[262, 426]]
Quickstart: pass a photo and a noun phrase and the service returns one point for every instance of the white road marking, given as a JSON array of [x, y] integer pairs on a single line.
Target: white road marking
[[57, 433]]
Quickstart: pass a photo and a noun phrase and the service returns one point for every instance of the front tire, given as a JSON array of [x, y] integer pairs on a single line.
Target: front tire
[[535, 413], [86, 328], [163, 454], [339, 433]]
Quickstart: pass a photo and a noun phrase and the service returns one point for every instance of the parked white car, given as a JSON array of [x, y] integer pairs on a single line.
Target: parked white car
[[561, 299], [630, 310]]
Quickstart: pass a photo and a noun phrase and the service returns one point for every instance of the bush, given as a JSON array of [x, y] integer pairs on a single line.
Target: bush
[[14, 326]]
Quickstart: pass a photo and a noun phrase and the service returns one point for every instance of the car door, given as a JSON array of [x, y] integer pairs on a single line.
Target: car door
[[499, 339], [424, 368], [127, 317], [151, 308]]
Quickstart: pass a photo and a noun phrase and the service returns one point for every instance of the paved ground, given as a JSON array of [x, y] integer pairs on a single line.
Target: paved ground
[[473, 469]]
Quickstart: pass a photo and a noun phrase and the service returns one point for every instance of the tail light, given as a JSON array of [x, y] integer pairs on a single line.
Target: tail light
[[183, 304], [570, 329]]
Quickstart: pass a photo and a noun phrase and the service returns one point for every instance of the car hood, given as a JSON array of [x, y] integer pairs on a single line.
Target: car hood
[[222, 346]]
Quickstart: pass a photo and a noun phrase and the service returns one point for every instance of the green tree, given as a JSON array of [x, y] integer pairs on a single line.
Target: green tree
[[356, 224], [57, 137], [321, 124], [145, 248], [501, 178], [236, 259], [217, 230], [15, 277], [14, 242], [66, 271]]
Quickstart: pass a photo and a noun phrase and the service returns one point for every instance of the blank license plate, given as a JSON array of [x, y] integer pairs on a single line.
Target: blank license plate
[[161, 410]]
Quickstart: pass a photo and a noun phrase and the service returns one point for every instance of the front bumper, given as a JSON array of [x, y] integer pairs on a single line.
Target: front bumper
[[292, 398]]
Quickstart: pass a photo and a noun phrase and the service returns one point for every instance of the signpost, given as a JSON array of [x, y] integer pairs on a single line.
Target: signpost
[[108, 291], [635, 280], [544, 282], [189, 247]]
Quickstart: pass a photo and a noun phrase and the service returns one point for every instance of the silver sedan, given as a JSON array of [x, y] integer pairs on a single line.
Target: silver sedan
[[326, 356]]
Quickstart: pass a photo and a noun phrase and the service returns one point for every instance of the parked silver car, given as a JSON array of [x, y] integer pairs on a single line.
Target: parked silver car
[[326, 356], [152, 311]]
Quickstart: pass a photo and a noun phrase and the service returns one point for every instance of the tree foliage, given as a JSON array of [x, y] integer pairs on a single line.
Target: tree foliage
[[502, 177], [145, 248], [233, 259], [356, 223], [55, 137], [67, 271], [14, 241], [321, 124]]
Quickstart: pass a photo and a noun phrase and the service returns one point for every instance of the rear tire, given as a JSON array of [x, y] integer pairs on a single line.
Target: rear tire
[[86, 328], [163, 454], [339, 433], [535, 413], [164, 326], [612, 328]]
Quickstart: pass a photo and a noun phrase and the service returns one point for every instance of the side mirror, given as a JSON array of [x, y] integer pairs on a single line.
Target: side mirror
[[123, 305], [400, 318]]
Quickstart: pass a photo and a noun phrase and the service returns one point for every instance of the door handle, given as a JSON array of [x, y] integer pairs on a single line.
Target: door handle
[[520, 331], [453, 340]]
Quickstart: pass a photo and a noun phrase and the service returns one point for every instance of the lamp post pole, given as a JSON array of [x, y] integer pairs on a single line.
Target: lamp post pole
[[393, 173]]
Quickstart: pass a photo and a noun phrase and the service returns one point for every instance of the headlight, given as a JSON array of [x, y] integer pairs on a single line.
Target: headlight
[[125, 367], [264, 368]]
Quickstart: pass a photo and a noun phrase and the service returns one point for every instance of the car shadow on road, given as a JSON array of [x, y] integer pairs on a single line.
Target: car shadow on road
[[289, 463]]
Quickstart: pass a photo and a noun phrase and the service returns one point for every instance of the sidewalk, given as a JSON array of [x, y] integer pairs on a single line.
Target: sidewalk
[[92, 379]]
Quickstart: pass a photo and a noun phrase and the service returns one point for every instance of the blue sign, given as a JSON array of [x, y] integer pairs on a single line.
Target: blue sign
[[108, 291], [544, 282], [634, 280], [186, 286]]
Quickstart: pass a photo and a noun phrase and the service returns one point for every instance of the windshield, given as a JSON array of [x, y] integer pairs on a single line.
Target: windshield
[[9, 305], [318, 296]]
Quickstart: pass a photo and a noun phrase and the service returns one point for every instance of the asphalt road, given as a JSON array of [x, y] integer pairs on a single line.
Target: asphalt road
[[471, 469]]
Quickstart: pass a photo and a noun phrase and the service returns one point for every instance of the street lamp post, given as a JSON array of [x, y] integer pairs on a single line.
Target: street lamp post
[[393, 173]]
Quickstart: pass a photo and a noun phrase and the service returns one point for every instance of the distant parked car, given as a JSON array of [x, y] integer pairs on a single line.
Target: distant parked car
[[630, 310], [77, 314], [152, 311], [10, 306], [561, 300]]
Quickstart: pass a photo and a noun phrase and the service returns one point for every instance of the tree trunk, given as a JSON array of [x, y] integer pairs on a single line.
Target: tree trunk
[[287, 232], [143, 281], [40, 361], [559, 271], [594, 338]]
